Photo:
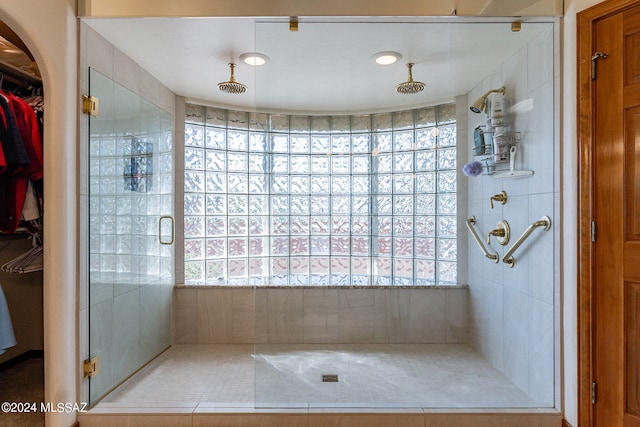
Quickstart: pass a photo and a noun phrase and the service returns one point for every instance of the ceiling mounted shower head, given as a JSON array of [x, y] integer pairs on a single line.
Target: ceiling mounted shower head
[[232, 86], [410, 86]]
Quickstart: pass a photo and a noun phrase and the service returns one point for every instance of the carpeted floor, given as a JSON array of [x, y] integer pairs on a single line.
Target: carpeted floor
[[23, 383]]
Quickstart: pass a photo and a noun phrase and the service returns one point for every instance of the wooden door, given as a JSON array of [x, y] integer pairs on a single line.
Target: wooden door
[[616, 212]]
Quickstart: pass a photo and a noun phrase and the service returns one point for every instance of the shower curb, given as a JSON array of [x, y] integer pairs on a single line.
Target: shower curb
[[202, 416]]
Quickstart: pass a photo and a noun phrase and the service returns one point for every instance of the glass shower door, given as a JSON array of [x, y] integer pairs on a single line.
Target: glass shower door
[[131, 232], [370, 296]]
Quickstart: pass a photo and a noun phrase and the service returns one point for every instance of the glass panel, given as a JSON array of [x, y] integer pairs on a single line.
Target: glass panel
[[317, 207], [130, 272]]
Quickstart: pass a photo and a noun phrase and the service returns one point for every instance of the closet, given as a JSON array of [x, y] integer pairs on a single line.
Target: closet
[[21, 215]]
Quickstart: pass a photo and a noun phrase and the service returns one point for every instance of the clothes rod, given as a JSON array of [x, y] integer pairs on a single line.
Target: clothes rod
[[21, 76]]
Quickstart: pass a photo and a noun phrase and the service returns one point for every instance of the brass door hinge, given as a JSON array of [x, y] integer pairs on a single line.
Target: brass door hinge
[[90, 105], [91, 367]]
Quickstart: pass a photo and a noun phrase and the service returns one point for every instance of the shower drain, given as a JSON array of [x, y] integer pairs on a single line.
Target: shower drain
[[330, 378]]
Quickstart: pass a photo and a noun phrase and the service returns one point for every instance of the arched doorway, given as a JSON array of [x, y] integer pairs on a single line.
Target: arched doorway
[[21, 253]]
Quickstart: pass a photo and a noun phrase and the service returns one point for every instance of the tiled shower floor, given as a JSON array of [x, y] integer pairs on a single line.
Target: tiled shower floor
[[289, 376]]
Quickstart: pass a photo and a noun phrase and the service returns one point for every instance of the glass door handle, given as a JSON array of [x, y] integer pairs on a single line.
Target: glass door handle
[[173, 229]]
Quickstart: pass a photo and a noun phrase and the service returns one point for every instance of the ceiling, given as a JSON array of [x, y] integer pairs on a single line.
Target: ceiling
[[324, 67]]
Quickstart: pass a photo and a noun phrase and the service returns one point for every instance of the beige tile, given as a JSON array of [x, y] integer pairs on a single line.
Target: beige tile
[[149, 87], [100, 53], [99, 291], [214, 316], [218, 376], [243, 315], [82, 59], [320, 315], [426, 315], [466, 420], [184, 316], [391, 315], [356, 315], [125, 71], [83, 277], [125, 350], [250, 420], [531, 420], [285, 316], [456, 315], [153, 323], [460, 411], [135, 420], [261, 329], [220, 407], [366, 411], [492, 418], [101, 339], [549, 420], [165, 330], [168, 100], [83, 349], [130, 407], [248, 409], [187, 374], [366, 420]]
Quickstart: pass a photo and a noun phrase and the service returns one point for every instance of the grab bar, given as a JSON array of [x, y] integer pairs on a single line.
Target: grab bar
[[545, 222], [470, 223]]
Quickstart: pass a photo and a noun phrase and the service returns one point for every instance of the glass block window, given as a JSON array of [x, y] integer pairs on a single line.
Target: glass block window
[[320, 200]]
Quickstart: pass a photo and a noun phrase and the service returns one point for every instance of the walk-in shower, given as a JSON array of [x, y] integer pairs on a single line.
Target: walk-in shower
[[322, 256]]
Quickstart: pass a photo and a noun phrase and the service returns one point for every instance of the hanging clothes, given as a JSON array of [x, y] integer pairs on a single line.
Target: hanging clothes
[[14, 149], [21, 142], [29, 131], [31, 208], [7, 337]]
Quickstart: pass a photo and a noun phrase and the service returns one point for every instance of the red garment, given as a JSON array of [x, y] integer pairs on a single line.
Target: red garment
[[30, 133], [14, 180], [3, 160]]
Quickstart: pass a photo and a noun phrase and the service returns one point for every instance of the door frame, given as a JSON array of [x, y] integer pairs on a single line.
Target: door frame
[[586, 262]]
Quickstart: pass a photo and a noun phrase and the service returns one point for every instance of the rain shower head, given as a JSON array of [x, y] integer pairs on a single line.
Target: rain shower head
[[410, 86], [232, 86]]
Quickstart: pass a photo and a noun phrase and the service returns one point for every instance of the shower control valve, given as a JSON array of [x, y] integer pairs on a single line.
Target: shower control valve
[[502, 233], [501, 198]]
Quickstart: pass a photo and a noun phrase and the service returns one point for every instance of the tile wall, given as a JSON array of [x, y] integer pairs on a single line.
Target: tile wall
[[320, 315], [513, 310]]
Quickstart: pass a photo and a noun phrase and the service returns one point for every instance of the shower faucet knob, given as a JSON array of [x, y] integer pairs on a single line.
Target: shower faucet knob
[[501, 197], [498, 232], [502, 233]]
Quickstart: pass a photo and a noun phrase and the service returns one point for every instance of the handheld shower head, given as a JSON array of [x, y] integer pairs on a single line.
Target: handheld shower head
[[481, 103]]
